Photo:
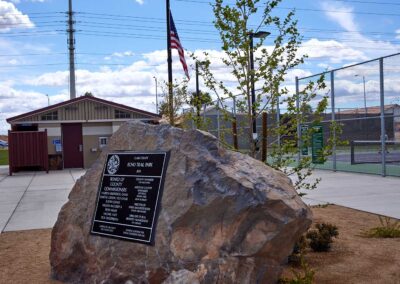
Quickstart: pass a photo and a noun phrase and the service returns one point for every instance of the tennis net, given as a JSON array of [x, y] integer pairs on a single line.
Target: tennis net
[[370, 151]]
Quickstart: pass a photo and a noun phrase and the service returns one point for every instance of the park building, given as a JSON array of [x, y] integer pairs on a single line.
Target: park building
[[69, 134]]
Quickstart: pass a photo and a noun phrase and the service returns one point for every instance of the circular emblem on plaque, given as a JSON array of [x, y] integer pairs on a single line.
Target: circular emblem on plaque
[[113, 164]]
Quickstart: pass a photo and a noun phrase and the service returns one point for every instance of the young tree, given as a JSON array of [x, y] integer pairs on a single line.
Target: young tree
[[89, 94], [198, 101], [180, 99], [234, 24]]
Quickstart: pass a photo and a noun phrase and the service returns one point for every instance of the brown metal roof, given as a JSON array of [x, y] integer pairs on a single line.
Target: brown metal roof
[[79, 99]]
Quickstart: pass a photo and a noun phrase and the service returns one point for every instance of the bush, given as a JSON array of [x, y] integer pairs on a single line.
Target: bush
[[305, 276], [321, 238], [388, 229]]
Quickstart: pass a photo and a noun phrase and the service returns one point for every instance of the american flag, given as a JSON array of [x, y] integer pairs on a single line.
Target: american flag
[[176, 43]]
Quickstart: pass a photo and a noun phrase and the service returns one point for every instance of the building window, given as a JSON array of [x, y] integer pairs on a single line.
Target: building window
[[103, 141], [122, 114], [50, 116]]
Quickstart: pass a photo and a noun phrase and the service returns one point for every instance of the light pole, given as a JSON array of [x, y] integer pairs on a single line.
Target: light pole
[[260, 34], [155, 79], [48, 99], [365, 96]]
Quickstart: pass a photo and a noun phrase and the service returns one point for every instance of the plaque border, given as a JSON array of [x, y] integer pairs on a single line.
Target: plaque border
[[157, 208]]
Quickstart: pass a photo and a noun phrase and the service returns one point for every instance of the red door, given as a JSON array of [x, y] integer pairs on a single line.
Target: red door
[[72, 145]]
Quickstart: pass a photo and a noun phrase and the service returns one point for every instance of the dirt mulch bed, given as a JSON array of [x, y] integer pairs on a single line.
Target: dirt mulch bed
[[24, 255], [354, 258]]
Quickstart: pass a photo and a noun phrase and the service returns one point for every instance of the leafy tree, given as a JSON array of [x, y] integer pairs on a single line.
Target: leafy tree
[[180, 98], [233, 22], [198, 101]]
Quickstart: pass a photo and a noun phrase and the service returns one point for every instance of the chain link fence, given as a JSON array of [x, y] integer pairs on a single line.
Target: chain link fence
[[363, 99]]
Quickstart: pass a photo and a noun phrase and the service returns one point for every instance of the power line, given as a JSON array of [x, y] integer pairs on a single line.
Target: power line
[[312, 9], [33, 34], [202, 40], [139, 36], [214, 32], [161, 21], [367, 2], [31, 65], [340, 11], [24, 23], [183, 31], [32, 54], [208, 40], [37, 13], [347, 1], [138, 27]]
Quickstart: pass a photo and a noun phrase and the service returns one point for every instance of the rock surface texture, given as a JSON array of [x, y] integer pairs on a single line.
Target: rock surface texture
[[225, 218]]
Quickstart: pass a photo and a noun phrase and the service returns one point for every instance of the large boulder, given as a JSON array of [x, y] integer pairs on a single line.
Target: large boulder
[[225, 218]]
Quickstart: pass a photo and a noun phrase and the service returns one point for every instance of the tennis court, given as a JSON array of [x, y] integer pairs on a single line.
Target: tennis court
[[364, 156]]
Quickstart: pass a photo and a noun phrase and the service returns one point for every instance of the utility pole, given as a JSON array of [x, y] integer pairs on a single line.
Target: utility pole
[[71, 47]]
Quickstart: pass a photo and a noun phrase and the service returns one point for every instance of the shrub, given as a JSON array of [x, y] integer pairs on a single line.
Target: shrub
[[321, 238], [304, 276], [388, 229]]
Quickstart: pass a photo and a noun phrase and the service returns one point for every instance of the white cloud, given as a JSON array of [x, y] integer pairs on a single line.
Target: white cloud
[[12, 18], [331, 50], [352, 37], [54, 79], [398, 34], [120, 55], [141, 2], [293, 73], [14, 102], [340, 13]]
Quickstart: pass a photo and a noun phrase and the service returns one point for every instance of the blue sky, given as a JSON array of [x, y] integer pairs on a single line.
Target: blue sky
[[121, 45]]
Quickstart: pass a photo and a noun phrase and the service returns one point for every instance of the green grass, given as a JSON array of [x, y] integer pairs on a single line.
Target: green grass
[[3, 157]]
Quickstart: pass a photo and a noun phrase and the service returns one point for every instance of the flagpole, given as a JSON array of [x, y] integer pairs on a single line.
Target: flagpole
[[170, 94]]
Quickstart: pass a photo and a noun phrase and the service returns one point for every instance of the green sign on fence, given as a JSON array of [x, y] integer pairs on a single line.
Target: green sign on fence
[[303, 144], [317, 144]]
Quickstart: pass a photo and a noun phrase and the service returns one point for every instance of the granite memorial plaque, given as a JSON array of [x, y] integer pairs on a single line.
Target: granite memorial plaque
[[129, 196]]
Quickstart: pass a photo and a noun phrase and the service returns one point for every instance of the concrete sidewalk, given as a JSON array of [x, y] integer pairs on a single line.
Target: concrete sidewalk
[[32, 200], [370, 193]]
